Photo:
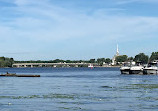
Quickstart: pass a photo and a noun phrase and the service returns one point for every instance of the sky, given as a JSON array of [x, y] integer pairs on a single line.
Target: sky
[[77, 29]]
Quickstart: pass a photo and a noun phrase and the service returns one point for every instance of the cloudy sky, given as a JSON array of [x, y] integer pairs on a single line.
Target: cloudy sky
[[77, 29]]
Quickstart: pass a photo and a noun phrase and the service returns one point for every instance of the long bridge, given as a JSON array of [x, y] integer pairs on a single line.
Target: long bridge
[[52, 64]]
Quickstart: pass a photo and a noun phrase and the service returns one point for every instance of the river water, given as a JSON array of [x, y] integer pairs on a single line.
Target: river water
[[77, 89]]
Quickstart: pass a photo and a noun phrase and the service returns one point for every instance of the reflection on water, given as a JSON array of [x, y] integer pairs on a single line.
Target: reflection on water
[[77, 89]]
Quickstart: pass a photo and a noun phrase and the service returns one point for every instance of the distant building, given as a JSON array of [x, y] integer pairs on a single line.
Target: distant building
[[114, 58]]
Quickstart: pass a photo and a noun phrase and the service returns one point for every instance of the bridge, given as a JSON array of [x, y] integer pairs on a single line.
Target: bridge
[[18, 65]]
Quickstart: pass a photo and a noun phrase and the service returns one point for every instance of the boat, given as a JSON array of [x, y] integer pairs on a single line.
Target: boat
[[136, 69], [152, 68], [132, 68], [125, 69], [90, 66]]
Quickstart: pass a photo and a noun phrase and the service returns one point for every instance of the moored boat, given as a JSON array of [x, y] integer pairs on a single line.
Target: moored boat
[[131, 68], [136, 70], [152, 68], [125, 69]]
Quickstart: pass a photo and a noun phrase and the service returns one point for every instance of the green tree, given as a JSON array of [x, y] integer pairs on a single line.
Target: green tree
[[57, 61], [2, 58], [6, 62], [108, 60], [121, 58], [100, 61], [154, 56], [92, 61], [130, 58], [68, 61], [141, 57]]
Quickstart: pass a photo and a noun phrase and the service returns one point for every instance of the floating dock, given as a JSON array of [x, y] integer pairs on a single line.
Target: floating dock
[[15, 75]]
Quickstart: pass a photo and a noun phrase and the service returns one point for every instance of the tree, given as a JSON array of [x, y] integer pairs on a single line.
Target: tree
[[130, 58], [108, 60], [68, 61], [6, 62], [2, 58], [100, 61], [141, 57], [57, 61], [154, 56], [92, 60], [121, 58]]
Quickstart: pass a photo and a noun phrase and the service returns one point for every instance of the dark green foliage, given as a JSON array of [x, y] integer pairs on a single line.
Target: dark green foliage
[[56, 61], [2, 58], [108, 60], [100, 61], [92, 61], [6, 62], [121, 58], [141, 57], [154, 56], [130, 58], [68, 61]]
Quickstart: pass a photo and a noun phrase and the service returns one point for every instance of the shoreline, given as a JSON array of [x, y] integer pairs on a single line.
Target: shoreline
[[66, 67]]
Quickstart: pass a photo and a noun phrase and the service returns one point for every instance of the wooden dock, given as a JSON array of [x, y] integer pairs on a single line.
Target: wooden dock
[[15, 75]]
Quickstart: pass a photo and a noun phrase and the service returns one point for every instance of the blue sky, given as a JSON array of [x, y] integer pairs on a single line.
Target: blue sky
[[77, 29]]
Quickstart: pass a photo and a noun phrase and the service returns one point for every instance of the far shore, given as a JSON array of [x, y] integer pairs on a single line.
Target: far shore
[[67, 67]]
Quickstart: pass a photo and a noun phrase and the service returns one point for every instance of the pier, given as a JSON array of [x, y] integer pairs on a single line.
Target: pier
[[15, 75]]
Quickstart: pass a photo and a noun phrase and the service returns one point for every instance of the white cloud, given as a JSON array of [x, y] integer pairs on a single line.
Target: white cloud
[[43, 22], [28, 2], [21, 2], [133, 1], [50, 23]]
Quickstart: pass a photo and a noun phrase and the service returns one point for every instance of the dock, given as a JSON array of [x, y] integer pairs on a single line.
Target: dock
[[16, 75]]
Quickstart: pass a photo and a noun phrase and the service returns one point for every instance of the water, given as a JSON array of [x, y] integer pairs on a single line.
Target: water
[[77, 89]]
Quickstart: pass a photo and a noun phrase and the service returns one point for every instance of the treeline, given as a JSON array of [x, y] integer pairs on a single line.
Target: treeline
[[6, 62], [141, 57], [99, 61], [53, 61]]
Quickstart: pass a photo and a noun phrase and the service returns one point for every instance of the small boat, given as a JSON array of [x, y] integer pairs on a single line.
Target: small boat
[[152, 68], [125, 69], [91, 66]]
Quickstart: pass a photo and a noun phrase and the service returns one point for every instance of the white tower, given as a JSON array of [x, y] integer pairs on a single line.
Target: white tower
[[114, 58], [117, 52]]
